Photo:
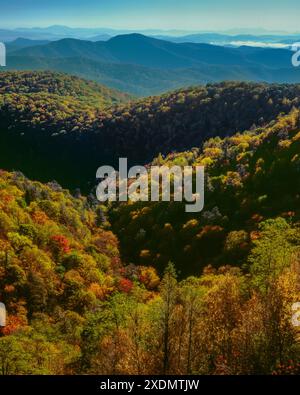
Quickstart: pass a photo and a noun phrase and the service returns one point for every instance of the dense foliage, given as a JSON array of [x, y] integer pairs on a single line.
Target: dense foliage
[[72, 307], [67, 86], [70, 313], [77, 306]]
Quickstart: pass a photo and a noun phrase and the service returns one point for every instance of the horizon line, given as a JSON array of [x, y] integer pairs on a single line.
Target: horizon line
[[232, 31]]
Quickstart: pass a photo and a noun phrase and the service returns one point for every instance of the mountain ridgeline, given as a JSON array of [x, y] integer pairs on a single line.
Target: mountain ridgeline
[[145, 51], [63, 128]]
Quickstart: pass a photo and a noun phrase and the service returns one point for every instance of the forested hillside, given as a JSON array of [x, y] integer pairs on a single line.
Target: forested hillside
[[63, 85], [73, 307], [250, 177], [73, 121]]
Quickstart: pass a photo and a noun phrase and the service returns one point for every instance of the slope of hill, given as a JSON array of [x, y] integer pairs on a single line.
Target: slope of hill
[[69, 47], [58, 84], [144, 81], [135, 79], [63, 239], [250, 177], [57, 264], [21, 43], [150, 52]]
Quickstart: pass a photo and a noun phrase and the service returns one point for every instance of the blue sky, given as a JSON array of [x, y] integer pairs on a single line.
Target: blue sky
[[161, 14]]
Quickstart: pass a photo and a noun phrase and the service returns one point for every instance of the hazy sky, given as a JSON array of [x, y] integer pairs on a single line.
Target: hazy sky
[[162, 14]]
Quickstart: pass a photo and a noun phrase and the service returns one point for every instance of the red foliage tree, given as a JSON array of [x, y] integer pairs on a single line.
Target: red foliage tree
[[60, 244], [125, 285]]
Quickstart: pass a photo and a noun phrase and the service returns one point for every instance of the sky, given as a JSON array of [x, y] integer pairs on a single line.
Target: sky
[[201, 15]]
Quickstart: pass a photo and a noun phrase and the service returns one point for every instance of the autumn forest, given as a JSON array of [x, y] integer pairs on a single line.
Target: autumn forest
[[143, 287]]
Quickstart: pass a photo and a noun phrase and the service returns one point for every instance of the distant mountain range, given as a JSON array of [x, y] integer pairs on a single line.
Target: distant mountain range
[[271, 40], [144, 65], [55, 33], [20, 43], [59, 31], [141, 50]]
